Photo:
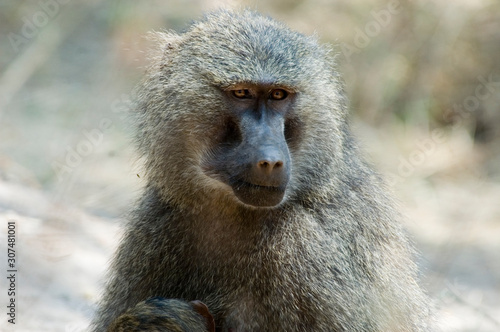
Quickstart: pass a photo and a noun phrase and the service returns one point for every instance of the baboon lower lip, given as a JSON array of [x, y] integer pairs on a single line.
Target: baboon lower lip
[[257, 195]]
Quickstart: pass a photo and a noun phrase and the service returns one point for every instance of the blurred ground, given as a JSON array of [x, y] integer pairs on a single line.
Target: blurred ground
[[424, 84]]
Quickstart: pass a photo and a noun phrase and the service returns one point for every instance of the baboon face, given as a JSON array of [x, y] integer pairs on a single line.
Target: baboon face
[[243, 109], [252, 154]]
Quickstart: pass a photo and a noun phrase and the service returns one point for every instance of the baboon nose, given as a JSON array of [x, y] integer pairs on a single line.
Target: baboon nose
[[269, 169], [268, 166]]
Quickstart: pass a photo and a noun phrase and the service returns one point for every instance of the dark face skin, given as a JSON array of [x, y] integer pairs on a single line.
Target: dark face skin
[[252, 154]]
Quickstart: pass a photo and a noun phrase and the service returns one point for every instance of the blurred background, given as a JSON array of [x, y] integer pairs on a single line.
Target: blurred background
[[423, 78]]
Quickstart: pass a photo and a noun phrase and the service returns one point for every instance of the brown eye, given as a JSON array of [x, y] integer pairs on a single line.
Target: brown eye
[[278, 94], [241, 93]]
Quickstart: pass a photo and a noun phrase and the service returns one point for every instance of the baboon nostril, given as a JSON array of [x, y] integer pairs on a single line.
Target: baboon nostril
[[268, 166], [263, 164]]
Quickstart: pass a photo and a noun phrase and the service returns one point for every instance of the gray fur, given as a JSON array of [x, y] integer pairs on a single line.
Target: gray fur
[[331, 257]]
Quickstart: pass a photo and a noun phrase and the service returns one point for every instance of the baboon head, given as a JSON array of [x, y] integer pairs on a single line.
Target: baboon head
[[240, 106]]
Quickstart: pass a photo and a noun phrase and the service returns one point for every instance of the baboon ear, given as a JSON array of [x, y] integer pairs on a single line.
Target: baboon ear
[[168, 40], [165, 43], [202, 309]]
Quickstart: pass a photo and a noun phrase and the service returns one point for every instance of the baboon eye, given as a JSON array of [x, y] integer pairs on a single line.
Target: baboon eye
[[278, 94], [242, 93]]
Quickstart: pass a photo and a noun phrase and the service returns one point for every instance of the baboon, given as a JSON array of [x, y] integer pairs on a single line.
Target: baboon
[[257, 201], [165, 315]]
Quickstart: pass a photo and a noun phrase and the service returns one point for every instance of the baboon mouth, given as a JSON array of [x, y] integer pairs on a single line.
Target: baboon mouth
[[258, 186], [258, 195]]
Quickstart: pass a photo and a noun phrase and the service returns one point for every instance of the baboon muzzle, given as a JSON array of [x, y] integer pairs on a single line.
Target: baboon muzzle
[[266, 170]]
